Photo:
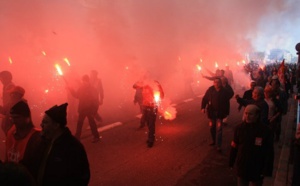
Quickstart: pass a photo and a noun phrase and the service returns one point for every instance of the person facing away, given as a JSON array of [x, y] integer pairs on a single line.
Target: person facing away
[[64, 160], [16, 94], [252, 151], [97, 83], [87, 107], [212, 101], [6, 80]]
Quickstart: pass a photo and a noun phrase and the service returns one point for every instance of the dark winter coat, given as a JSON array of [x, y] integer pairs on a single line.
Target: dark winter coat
[[67, 162], [252, 151], [216, 102]]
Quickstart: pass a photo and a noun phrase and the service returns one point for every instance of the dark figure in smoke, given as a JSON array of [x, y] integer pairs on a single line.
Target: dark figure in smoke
[[87, 106], [97, 83], [138, 96], [15, 95], [229, 75], [152, 94], [6, 80]]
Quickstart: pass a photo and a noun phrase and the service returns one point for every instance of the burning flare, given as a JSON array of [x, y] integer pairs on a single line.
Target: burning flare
[[67, 61], [60, 72]]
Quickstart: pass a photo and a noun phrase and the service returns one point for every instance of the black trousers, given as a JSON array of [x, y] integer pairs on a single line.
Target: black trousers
[[149, 117]]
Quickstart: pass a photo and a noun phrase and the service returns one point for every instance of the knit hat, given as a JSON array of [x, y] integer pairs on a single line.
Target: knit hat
[[20, 108], [58, 114]]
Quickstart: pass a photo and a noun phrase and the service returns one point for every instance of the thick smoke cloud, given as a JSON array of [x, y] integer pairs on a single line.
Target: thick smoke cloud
[[122, 40]]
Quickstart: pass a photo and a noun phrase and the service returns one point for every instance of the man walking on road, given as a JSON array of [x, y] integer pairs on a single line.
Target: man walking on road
[[213, 102]]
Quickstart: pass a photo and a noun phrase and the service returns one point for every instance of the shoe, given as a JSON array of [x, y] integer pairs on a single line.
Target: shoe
[[141, 127], [150, 144], [95, 140], [212, 144]]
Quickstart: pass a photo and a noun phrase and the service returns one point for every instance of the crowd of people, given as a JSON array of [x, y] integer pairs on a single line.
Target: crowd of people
[[52, 155], [252, 150]]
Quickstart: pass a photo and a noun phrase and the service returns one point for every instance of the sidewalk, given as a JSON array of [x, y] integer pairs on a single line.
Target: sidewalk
[[283, 170]]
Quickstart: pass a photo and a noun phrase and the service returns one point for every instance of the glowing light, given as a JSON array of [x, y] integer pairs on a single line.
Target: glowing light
[[200, 60], [216, 65], [170, 113], [67, 61], [226, 65], [10, 60], [46, 91], [126, 67], [244, 62], [199, 67], [179, 58], [238, 63], [44, 53], [157, 96], [198, 81], [58, 69]]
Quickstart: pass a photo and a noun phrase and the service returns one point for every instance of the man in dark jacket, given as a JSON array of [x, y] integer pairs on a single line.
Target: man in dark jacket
[[252, 149], [64, 161], [213, 101], [88, 105]]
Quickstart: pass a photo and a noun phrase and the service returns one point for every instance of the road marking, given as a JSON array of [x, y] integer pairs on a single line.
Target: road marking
[[139, 116], [188, 100], [110, 126], [200, 96]]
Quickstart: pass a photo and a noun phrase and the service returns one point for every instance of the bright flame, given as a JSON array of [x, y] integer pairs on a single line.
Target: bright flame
[[199, 67], [244, 62], [46, 91], [216, 65], [10, 60], [157, 96], [170, 113], [67, 61], [44, 53], [58, 69]]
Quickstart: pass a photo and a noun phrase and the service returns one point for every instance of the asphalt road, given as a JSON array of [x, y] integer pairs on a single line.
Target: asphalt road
[[123, 158]]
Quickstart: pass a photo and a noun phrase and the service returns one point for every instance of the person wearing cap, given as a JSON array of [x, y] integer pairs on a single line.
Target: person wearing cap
[[22, 136], [64, 161], [16, 94], [87, 107]]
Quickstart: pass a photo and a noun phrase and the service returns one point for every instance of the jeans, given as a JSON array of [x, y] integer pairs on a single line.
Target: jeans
[[216, 131]]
